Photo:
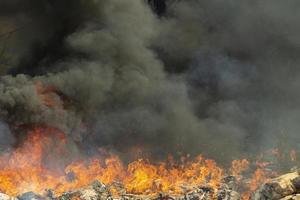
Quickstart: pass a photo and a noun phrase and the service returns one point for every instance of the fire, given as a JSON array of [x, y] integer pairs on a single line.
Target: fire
[[259, 177], [239, 166], [25, 170], [22, 170], [143, 176]]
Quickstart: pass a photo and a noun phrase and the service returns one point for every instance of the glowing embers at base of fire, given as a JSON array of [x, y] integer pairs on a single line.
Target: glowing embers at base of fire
[[25, 170]]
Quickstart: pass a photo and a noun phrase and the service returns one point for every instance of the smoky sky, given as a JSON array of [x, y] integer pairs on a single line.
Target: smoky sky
[[214, 77]]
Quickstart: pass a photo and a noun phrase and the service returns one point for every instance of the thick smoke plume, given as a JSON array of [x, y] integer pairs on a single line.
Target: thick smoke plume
[[204, 76]]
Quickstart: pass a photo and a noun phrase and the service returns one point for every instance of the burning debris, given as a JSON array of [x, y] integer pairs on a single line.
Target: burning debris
[[25, 175], [99, 191], [31, 172], [282, 188]]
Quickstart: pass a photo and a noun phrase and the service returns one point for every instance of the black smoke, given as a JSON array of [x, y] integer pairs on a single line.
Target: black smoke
[[201, 76]]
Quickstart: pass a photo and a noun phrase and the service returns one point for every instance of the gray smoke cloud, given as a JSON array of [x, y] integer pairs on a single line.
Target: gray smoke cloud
[[6, 137], [212, 77], [242, 65]]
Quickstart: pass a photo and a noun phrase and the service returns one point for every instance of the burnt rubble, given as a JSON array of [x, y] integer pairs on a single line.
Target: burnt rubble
[[99, 191], [285, 187]]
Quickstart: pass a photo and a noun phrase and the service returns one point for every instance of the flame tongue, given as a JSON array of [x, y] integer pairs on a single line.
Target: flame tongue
[[23, 169]]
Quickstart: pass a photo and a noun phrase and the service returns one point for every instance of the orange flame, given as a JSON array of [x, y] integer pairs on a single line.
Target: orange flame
[[239, 166], [24, 170]]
